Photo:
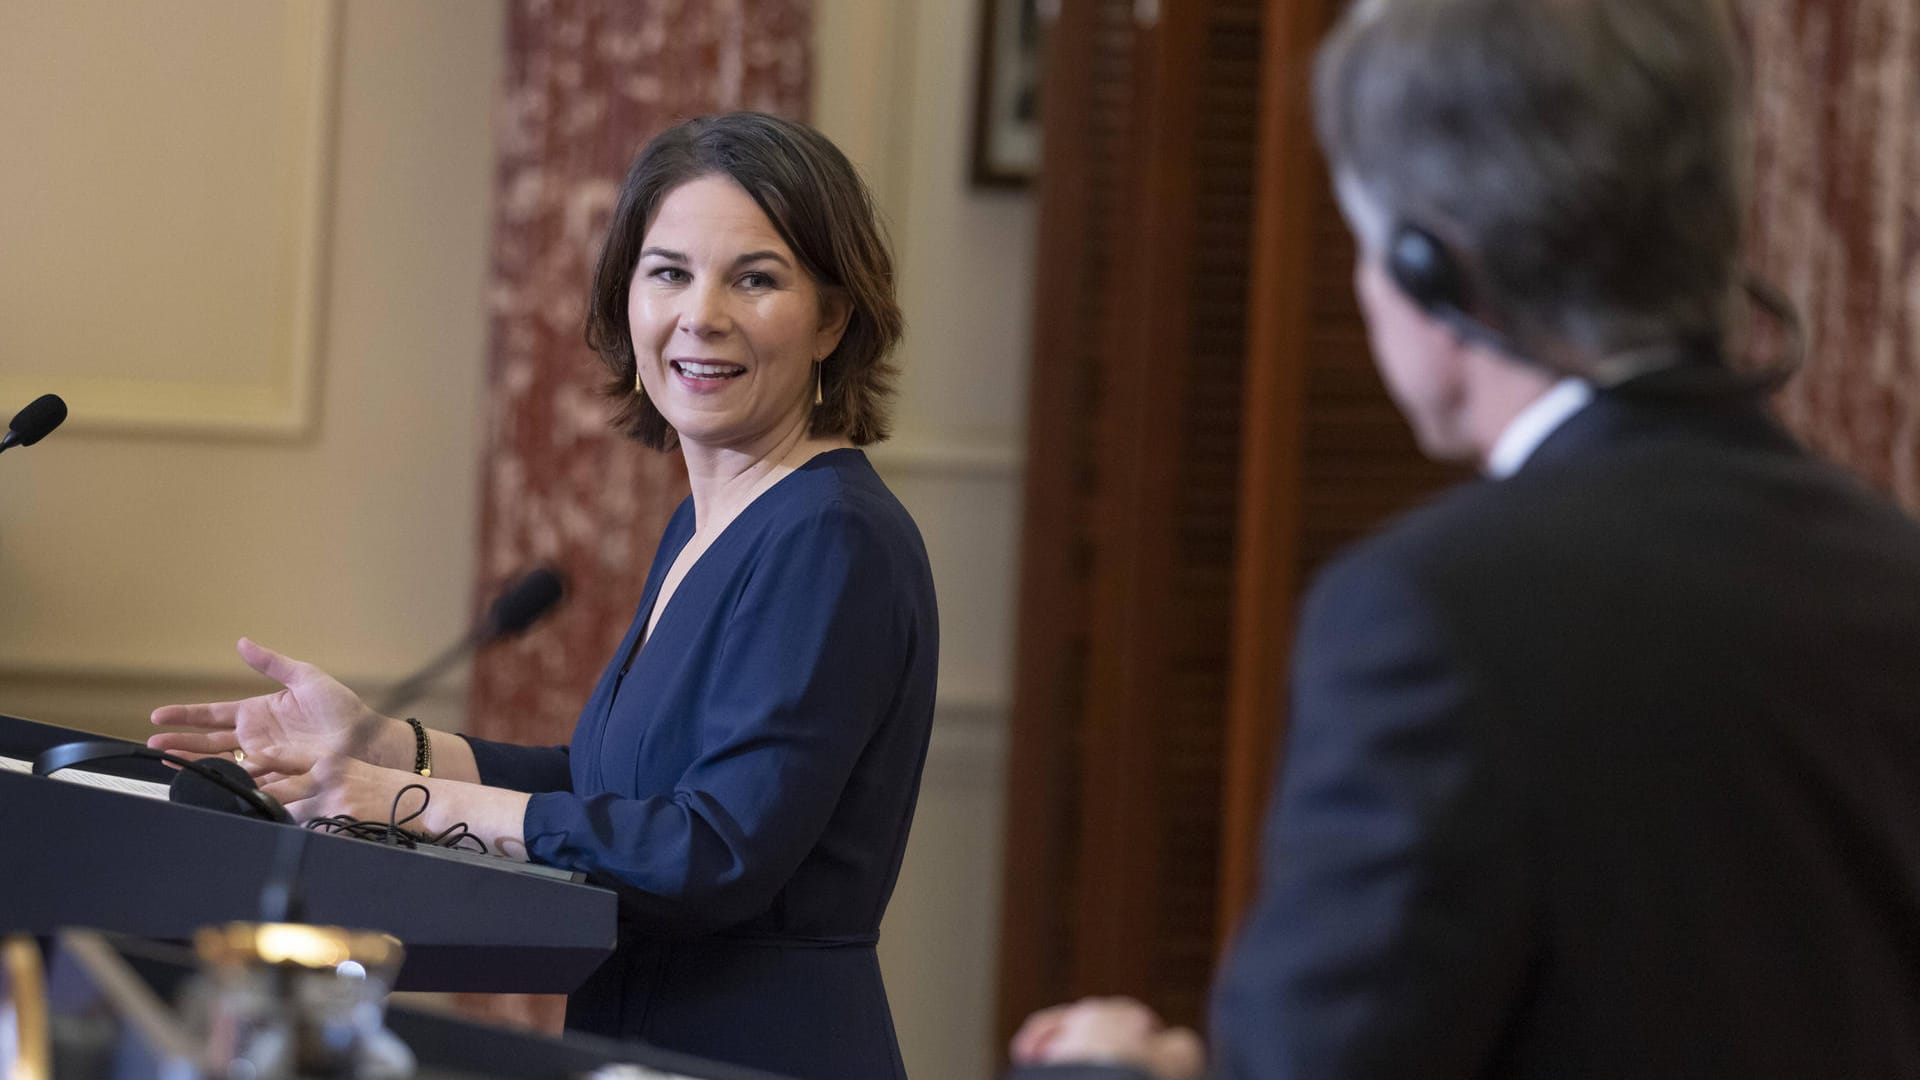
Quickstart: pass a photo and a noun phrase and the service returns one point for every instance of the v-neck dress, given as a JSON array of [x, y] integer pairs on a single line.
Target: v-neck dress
[[746, 783]]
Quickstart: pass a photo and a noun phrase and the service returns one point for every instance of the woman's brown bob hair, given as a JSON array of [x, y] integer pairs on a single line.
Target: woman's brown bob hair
[[814, 198]]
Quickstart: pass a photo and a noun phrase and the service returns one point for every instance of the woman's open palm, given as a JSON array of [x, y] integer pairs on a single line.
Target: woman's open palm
[[313, 713]]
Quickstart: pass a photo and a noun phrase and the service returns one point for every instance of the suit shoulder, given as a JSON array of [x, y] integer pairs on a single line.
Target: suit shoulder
[[1475, 542], [1418, 540]]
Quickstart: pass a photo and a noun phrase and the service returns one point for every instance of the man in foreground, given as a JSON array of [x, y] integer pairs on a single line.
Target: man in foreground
[[1607, 765]]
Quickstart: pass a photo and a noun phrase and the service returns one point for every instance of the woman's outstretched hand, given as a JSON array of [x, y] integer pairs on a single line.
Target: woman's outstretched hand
[[315, 713]]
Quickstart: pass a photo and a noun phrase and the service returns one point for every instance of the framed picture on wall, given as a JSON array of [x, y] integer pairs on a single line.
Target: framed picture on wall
[[1006, 122]]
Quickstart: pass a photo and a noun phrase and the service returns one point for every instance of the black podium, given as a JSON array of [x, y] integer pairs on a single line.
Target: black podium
[[74, 855]]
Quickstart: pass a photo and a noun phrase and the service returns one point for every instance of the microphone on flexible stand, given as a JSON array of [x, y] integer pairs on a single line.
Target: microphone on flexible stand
[[32, 423], [520, 606]]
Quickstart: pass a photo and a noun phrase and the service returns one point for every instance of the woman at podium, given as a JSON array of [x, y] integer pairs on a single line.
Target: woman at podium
[[746, 769]]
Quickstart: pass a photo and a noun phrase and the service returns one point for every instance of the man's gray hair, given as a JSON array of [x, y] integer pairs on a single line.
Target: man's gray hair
[[1582, 159]]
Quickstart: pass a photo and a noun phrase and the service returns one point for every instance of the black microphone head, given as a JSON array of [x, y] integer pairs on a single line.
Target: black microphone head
[[523, 603], [32, 423], [192, 787]]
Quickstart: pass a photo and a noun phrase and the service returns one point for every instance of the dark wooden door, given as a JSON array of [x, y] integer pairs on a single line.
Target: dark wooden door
[[1203, 427], [1133, 471]]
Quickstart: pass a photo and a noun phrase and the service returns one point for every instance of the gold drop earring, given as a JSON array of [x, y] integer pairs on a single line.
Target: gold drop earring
[[818, 367], [638, 389]]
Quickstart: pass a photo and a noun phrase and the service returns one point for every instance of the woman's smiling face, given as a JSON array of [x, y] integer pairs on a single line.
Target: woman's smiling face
[[726, 324]]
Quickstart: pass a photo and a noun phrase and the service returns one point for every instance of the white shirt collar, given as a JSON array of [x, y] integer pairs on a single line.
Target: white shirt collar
[[1541, 418]]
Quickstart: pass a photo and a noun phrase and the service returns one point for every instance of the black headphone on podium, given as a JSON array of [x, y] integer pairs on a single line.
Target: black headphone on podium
[[212, 783]]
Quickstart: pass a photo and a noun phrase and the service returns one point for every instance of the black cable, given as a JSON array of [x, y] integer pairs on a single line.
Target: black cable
[[454, 836]]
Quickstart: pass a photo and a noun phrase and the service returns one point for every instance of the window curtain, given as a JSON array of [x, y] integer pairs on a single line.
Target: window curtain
[[586, 83]]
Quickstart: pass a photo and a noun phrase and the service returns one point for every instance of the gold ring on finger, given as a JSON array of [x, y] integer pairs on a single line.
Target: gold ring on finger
[[239, 754]]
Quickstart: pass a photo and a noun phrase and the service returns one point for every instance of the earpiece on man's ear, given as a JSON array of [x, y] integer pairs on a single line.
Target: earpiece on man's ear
[[1426, 271], [1429, 274]]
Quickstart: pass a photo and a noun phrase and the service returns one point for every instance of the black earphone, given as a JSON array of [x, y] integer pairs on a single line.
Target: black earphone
[[1434, 280], [1424, 269], [236, 790]]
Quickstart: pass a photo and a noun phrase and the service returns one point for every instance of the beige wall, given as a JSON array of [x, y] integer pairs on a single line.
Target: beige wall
[[894, 87], [132, 552], [140, 540]]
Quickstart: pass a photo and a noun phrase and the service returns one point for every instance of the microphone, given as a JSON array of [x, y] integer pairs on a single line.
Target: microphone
[[520, 606], [32, 423]]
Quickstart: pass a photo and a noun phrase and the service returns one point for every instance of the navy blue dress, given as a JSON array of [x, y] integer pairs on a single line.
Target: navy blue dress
[[747, 782]]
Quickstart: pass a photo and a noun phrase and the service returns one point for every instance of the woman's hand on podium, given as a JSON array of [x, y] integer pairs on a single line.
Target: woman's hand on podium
[[314, 714], [312, 785], [315, 785]]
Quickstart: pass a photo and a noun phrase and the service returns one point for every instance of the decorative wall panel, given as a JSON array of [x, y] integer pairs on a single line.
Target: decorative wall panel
[[165, 211], [1116, 751]]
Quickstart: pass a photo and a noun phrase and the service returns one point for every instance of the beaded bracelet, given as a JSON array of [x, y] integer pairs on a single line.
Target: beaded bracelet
[[422, 748]]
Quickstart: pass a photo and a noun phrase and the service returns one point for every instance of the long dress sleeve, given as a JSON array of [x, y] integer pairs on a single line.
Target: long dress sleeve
[[522, 768]]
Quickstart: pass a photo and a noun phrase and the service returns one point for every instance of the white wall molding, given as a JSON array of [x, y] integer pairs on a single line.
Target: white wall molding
[[972, 458], [969, 747]]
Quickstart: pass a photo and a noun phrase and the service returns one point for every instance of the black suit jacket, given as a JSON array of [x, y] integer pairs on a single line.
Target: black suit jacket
[[1608, 769]]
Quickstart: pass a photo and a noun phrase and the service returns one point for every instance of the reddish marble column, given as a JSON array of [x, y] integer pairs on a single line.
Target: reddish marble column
[[587, 82], [1836, 220]]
